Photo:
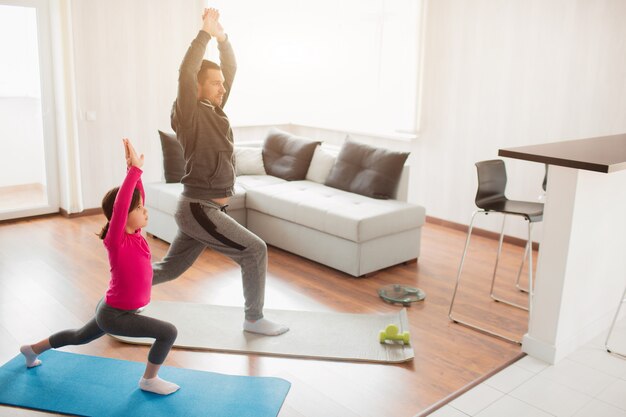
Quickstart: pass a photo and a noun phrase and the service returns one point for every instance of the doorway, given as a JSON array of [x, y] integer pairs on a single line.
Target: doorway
[[28, 178]]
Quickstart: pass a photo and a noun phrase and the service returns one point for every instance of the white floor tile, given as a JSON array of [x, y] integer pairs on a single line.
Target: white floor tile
[[551, 396], [597, 357], [447, 411], [579, 377], [531, 364], [476, 399], [596, 408], [615, 394], [536, 388], [511, 407], [509, 378], [618, 337], [617, 343], [598, 341]]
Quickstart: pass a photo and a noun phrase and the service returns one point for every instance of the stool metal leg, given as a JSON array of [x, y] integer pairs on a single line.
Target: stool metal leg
[[606, 342], [531, 290], [495, 268], [519, 272], [456, 287], [458, 274]]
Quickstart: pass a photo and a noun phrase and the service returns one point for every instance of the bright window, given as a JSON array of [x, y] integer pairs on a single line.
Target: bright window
[[19, 76], [349, 64]]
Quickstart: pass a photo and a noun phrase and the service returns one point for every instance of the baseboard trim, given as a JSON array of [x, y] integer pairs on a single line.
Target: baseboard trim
[[539, 349], [553, 353], [429, 219], [62, 212], [27, 218], [86, 212], [480, 232]]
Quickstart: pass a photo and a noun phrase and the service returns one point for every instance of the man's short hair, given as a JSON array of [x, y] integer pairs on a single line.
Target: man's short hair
[[206, 65]]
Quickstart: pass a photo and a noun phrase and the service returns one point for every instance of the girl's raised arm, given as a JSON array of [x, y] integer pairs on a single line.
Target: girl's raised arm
[[117, 224]]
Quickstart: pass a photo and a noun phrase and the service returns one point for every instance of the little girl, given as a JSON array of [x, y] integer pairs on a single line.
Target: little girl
[[130, 284]]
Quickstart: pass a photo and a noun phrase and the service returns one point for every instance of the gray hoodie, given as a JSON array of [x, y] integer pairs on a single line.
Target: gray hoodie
[[202, 129]]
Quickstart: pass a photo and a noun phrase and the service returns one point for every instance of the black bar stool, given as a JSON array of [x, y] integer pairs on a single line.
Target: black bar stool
[[490, 198]]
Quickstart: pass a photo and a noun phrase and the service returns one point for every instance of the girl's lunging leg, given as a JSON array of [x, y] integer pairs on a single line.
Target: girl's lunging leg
[[85, 334], [128, 323]]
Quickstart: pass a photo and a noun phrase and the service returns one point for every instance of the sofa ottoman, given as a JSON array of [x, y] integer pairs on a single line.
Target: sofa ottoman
[[346, 231]]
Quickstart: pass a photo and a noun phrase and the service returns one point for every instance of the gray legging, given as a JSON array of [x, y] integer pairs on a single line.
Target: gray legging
[[203, 224], [121, 323]]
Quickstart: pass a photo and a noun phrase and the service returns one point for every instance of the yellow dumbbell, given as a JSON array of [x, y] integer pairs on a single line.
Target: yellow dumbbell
[[392, 332]]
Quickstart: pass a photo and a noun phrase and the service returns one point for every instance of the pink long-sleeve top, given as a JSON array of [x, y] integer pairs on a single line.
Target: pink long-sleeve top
[[129, 254]]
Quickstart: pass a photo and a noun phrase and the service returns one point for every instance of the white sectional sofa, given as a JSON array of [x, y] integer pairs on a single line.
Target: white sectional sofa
[[346, 231]]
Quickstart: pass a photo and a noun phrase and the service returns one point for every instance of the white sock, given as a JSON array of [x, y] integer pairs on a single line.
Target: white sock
[[265, 327], [30, 355], [158, 385]]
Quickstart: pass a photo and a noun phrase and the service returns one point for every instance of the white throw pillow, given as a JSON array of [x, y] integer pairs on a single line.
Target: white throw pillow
[[320, 166], [249, 161]]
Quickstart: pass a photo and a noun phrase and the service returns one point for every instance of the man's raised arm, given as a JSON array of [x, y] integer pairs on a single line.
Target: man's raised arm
[[187, 96], [227, 59]]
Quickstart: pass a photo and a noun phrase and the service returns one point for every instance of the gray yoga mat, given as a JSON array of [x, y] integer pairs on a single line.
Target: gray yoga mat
[[337, 336]]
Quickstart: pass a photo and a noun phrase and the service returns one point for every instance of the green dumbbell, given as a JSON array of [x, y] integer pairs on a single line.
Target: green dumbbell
[[391, 332]]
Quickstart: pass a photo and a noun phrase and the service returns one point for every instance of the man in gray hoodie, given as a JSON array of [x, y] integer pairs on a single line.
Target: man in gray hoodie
[[204, 132]]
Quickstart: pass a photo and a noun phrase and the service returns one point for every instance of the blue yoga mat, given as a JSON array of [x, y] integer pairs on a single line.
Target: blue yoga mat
[[91, 386]]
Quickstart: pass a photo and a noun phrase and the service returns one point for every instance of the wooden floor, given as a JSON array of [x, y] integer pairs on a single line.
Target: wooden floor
[[53, 270]]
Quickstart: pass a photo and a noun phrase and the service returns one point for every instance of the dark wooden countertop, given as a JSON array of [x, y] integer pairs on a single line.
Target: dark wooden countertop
[[601, 154]]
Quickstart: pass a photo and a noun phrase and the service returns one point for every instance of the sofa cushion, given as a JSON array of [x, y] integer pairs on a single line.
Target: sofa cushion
[[287, 156], [336, 212], [321, 164], [367, 170], [173, 157], [249, 161], [164, 197], [247, 182]]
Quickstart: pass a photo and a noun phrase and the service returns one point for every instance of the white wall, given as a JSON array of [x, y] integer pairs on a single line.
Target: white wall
[[127, 55], [511, 73], [496, 74]]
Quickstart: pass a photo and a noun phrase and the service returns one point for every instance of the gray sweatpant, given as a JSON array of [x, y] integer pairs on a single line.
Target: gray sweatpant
[[121, 323], [204, 224]]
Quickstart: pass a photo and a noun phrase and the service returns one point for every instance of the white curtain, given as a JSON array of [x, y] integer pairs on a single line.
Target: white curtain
[[71, 199]]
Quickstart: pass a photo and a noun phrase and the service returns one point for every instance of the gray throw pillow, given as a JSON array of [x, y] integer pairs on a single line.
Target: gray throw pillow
[[366, 170], [173, 157], [287, 156]]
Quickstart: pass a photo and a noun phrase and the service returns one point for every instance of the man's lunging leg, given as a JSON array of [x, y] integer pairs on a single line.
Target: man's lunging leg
[[223, 234], [182, 253]]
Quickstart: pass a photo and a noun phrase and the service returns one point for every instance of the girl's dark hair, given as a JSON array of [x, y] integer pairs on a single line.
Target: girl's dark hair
[[107, 206]]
